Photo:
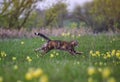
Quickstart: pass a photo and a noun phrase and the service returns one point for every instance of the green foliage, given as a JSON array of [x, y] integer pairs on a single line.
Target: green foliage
[[55, 15], [73, 25], [3, 22], [33, 20], [107, 11], [99, 14], [63, 67], [16, 12], [82, 14]]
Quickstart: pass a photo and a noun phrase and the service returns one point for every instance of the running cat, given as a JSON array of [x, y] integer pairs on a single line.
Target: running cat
[[57, 44]]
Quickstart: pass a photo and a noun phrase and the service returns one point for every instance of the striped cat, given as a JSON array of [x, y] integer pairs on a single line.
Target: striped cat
[[57, 44]]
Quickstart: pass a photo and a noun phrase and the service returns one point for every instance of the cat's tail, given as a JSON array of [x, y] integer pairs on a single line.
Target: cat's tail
[[43, 36]]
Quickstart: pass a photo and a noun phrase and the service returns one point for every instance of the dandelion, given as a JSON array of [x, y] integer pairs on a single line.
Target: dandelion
[[117, 54], [91, 70], [22, 42], [13, 58], [37, 56], [63, 34], [91, 52], [54, 52], [38, 72], [44, 78], [3, 54], [100, 69], [33, 73], [29, 59], [57, 54], [1, 79], [15, 67], [113, 52], [111, 80], [108, 55], [106, 73], [105, 57], [93, 55], [97, 53], [90, 79], [51, 55], [28, 76]]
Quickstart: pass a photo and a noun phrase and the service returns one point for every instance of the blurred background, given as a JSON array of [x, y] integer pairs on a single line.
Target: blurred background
[[95, 15]]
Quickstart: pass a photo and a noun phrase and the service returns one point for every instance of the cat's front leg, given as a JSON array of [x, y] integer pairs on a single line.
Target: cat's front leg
[[37, 49]]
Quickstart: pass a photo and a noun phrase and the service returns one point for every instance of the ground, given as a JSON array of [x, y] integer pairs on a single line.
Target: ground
[[100, 61]]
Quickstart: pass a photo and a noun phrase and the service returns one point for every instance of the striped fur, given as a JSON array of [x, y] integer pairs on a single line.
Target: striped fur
[[58, 44]]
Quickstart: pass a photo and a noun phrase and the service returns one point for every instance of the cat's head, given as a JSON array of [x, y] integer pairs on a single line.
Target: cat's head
[[74, 43]]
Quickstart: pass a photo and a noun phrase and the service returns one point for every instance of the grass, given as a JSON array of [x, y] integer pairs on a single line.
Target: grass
[[62, 67]]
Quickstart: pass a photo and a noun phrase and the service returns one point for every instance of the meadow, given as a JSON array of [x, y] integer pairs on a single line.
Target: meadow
[[100, 61]]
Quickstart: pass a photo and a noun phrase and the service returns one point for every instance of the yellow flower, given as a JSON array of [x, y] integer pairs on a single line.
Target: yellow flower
[[105, 57], [29, 59], [28, 76], [97, 53], [93, 55], [54, 52], [106, 73], [13, 58], [111, 80], [22, 42], [68, 34], [15, 67], [63, 34], [57, 54], [37, 73], [113, 52], [117, 54], [100, 69], [1, 79], [108, 55], [91, 52], [91, 70], [44, 78], [3, 54], [90, 79], [51, 55]]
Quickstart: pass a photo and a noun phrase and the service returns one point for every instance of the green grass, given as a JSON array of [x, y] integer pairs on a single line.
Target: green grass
[[61, 68]]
